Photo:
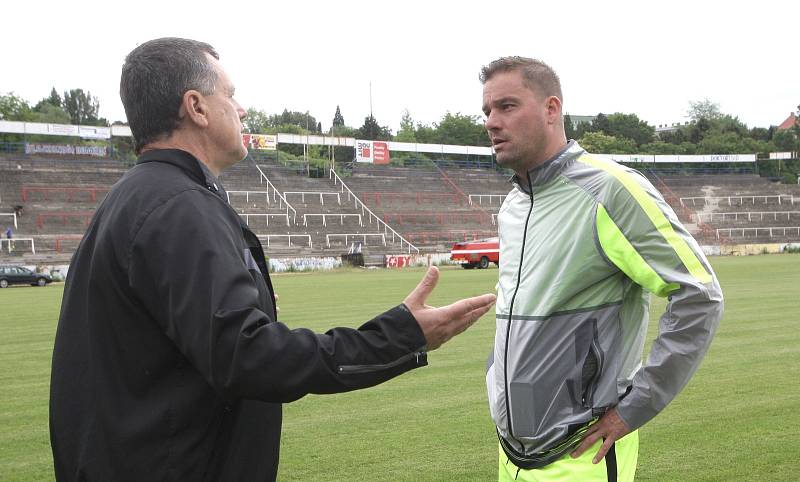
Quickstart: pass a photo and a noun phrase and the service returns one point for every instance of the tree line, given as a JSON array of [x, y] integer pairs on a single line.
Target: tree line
[[709, 131], [74, 107]]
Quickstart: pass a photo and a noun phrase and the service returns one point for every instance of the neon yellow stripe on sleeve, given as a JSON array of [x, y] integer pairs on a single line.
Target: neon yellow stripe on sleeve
[[620, 251], [657, 217]]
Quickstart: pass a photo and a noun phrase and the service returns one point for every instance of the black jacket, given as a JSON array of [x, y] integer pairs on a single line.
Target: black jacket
[[169, 363]]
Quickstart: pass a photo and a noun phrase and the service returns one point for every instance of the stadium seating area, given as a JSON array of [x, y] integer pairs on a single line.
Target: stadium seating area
[[58, 198], [734, 208], [433, 208], [380, 208]]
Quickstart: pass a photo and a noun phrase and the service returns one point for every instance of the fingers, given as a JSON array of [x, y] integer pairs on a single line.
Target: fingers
[[589, 439], [462, 314], [610, 428], [467, 306], [418, 296], [607, 443]]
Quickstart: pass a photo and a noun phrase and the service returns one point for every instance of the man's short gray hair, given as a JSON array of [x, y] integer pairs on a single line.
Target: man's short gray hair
[[154, 78]]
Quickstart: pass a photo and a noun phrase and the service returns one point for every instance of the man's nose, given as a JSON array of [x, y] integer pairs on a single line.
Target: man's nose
[[491, 122]]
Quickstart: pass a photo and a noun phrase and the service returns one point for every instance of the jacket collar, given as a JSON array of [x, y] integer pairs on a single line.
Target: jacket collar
[[550, 169], [188, 163]]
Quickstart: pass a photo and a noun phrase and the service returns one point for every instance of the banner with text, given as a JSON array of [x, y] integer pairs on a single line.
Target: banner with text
[[375, 152], [260, 141], [363, 151], [66, 149]]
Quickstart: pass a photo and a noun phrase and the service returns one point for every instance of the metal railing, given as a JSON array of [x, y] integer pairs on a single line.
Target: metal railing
[[268, 238], [313, 193], [11, 244], [247, 196], [347, 236], [771, 231], [14, 215], [751, 216], [247, 216], [276, 194], [480, 197], [781, 199], [325, 215], [364, 209]]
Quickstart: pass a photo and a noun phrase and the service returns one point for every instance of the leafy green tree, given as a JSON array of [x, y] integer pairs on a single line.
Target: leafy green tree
[[407, 132], [582, 128], [696, 131], [677, 136], [660, 147], [601, 124], [300, 119], [54, 98], [703, 109], [82, 107], [727, 123], [371, 130], [48, 113], [459, 129], [730, 143], [14, 108], [629, 126], [426, 134], [338, 120], [600, 143], [761, 134], [796, 127], [569, 128], [785, 140], [256, 121]]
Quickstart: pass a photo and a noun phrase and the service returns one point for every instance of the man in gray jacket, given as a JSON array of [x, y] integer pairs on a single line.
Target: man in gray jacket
[[583, 241]]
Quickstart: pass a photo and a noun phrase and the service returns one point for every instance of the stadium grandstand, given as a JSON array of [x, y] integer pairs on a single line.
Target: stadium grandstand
[[422, 202]]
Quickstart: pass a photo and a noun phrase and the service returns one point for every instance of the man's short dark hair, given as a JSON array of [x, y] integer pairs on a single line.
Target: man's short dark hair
[[538, 76], [154, 78]]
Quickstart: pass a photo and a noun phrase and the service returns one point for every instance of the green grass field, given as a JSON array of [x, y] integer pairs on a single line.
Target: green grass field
[[737, 420]]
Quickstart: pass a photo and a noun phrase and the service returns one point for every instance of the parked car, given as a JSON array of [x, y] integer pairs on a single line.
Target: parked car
[[479, 253], [18, 275]]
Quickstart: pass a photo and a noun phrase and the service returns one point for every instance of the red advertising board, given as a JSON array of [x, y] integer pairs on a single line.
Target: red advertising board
[[398, 261], [380, 153]]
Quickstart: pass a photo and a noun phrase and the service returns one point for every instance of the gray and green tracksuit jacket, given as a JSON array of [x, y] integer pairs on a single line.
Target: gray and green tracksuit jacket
[[582, 245]]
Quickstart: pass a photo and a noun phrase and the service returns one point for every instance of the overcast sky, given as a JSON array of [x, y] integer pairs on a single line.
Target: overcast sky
[[642, 57]]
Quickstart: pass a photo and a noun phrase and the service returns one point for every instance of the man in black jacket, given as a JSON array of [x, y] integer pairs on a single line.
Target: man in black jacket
[[169, 362]]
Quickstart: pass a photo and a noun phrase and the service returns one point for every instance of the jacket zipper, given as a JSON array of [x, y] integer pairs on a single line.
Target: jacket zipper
[[355, 369], [511, 310], [588, 394]]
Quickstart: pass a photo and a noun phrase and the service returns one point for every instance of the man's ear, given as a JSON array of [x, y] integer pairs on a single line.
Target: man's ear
[[553, 107], [194, 108]]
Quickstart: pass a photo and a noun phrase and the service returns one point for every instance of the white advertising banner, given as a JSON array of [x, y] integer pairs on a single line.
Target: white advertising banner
[[364, 151], [56, 129], [87, 132], [647, 158], [12, 127], [120, 130], [92, 132]]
